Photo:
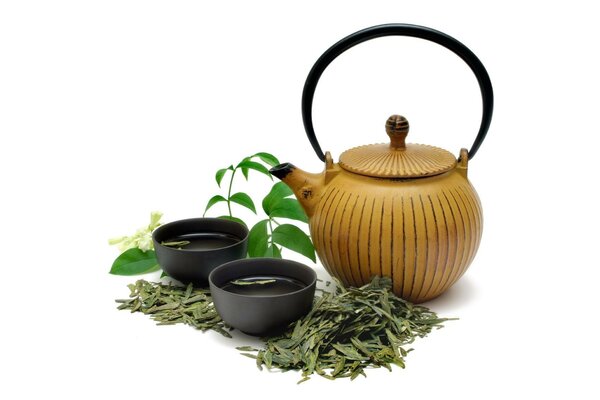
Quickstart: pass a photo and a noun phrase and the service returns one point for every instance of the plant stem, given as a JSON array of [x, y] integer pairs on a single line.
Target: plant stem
[[229, 192], [271, 231]]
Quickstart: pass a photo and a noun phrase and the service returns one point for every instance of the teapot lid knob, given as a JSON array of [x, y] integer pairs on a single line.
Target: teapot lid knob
[[397, 159], [397, 127]]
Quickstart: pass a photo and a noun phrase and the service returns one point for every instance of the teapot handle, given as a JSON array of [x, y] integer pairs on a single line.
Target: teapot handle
[[417, 31]]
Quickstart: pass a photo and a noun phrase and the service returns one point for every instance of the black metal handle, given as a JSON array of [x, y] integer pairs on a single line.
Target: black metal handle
[[417, 31]]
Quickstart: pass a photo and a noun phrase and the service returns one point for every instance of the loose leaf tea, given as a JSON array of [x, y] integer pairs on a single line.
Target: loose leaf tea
[[242, 282], [344, 333], [348, 331], [178, 243], [169, 305]]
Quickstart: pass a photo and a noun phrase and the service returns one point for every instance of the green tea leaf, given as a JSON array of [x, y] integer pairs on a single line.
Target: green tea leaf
[[227, 217], [255, 166], [278, 192], [214, 200], [268, 359], [268, 158], [257, 239], [242, 282], [293, 238], [339, 366], [289, 208], [178, 243], [135, 262], [349, 351], [221, 173], [244, 200], [247, 348], [245, 173], [361, 346]]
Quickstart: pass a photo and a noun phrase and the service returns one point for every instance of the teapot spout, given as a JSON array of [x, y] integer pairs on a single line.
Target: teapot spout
[[307, 187]]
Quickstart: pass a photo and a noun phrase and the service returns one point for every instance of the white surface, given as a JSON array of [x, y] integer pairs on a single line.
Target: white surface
[[111, 109]]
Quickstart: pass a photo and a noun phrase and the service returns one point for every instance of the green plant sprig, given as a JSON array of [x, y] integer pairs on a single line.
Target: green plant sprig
[[268, 236], [241, 198]]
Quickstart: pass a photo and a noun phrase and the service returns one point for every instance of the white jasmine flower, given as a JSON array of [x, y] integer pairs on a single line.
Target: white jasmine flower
[[117, 240], [145, 243], [155, 217], [142, 239]]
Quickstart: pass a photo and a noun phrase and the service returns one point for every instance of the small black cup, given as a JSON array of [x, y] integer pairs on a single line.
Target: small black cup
[[262, 314], [194, 265]]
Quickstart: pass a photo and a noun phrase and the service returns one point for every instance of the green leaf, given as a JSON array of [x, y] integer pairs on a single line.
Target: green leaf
[[278, 192], [268, 158], [244, 200], [244, 169], [276, 204], [293, 238], [227, 217], [289, 208], [135, 262], [273, 252], [255, 166], [258, 238], [221, 173], [214, 200]]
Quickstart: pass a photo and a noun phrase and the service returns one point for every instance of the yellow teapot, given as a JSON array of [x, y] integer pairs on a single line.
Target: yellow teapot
[[402, 210]]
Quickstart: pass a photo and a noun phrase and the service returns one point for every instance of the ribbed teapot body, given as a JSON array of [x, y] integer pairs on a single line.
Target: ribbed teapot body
[[422, 233]]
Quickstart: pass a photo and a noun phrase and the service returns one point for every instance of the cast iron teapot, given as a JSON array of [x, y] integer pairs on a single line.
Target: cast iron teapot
[[402, 210]]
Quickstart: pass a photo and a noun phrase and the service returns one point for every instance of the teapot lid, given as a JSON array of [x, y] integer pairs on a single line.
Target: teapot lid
[[397, 159]]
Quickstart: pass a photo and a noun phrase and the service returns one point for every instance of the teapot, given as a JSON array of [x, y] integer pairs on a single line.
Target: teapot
[[402, 210]]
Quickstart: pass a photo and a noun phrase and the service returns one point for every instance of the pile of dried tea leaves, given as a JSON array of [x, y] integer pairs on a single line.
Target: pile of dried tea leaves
[[168, 305], [344, 333], [348, 331]]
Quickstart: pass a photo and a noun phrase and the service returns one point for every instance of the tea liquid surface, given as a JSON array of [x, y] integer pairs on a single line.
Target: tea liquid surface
[[205, 241]]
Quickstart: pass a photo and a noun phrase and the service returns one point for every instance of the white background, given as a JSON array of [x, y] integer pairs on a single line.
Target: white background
[[112, 109]]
